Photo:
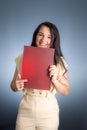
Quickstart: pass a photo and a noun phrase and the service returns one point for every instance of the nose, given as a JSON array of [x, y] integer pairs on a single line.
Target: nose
[[44, 38]]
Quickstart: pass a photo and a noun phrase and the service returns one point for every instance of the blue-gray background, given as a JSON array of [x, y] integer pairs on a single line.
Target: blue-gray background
[[18, 19]]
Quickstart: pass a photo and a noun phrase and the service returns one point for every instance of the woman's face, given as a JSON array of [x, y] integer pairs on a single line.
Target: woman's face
[[43, 38]]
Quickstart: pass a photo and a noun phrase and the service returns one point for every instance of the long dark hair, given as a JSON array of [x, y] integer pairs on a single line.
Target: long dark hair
[[55, 43]]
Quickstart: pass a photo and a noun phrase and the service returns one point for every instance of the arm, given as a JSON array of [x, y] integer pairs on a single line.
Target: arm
[[17, 84], [62, 84]]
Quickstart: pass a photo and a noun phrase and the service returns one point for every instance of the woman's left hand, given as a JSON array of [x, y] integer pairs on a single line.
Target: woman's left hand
[[53, 73]]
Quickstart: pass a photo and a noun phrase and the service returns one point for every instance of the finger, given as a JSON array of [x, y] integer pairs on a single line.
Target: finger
[[21, 88], [53, 68], [21, 81], [24, 80], [21, 85], [51, 74], [19, 76]]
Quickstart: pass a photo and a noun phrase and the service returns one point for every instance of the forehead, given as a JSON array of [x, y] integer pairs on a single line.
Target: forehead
[[44, 28]]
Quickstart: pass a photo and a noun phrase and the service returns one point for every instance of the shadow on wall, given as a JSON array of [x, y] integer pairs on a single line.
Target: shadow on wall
[[7, 127]]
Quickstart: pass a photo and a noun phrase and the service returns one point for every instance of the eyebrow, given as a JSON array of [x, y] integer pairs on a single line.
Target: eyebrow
[[43, 33]]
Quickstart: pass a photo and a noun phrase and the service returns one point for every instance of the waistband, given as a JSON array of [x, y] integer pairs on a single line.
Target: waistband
[[37, 92]]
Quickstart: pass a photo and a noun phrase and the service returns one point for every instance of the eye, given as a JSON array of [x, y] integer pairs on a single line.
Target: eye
[[40, 34], [49, 37]]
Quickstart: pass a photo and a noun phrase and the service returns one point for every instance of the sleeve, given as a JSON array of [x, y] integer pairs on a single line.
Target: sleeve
[[18, 61], [61, 71]]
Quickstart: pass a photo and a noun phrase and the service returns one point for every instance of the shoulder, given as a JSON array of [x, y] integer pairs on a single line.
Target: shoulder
[[19, 58], [64, 62], [62, 67]]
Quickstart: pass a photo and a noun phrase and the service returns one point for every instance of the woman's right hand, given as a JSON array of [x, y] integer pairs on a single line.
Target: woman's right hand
[[20, 83]]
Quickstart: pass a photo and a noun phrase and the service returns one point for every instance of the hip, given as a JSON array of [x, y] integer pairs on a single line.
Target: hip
[[43, 100]]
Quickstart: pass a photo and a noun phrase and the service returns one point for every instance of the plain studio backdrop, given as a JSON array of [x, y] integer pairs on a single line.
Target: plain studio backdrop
[[18, 20]]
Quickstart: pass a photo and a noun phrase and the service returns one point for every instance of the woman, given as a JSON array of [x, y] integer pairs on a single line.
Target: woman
[[38, 109]]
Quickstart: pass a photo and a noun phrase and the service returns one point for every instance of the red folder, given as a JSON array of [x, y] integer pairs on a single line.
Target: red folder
[[35, 64]]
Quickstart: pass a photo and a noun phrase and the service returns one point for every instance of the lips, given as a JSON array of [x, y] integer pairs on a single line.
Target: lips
[[42, 45]]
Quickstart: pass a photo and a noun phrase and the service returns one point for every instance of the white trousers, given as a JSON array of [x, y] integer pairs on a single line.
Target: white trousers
[[38, 110]]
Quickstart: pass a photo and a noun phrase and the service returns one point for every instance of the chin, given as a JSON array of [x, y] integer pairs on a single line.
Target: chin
[[43, 46]]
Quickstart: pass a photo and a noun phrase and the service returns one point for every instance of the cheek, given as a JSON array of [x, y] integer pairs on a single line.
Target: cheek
[[37, 39]]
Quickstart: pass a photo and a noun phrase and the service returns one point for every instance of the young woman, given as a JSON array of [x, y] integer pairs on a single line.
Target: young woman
[[39, 109]]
